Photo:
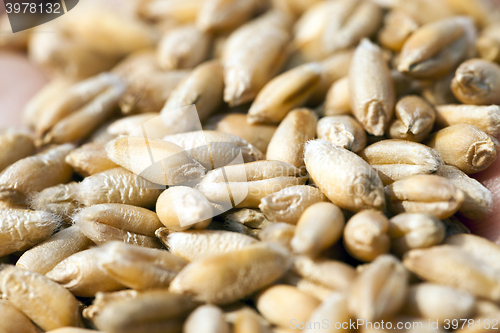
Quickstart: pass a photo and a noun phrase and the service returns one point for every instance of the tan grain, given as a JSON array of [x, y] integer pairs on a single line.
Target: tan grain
[[366, 235], [465, 147], [478, 200], [46, 303], [345, 178], [379, 291], [194, 245], [319, 227], [43, 257], [288, 204], [284, 93], [414, 231], [398, 159], [415, 119], [217, 280], [372, 95], [424, 194], [35, 173]]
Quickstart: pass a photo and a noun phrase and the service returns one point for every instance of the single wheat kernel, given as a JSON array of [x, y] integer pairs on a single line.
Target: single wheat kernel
[[155, 311], [439, 92], [90, 159], [398, 26], [452, 266], [253, 54], [13, 320], [283, 93], [21, 229], [371, 89], [365, 235], [414, 231], [43, 257], [180, 208], [437, 47], [345, 178], [478, 201], [332, 274], [337, 98], [195, 46], [477, 82], [126, 223], [437, 302], [156, 160], [46, 303], [35, 173], [287, 143], [203, 87], [424, 194], [280, 304], [398, 159], [319, 227], [218, 279], [215, 149], [379, 290], [415, 119], [343, 131], [82, 274], [206, 319], [194, 245], [333, 309], [279, 234], [148, 87], [139, 267], [288, 204], [15, 146], [486, 118], [117, 185], [465, 147]]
